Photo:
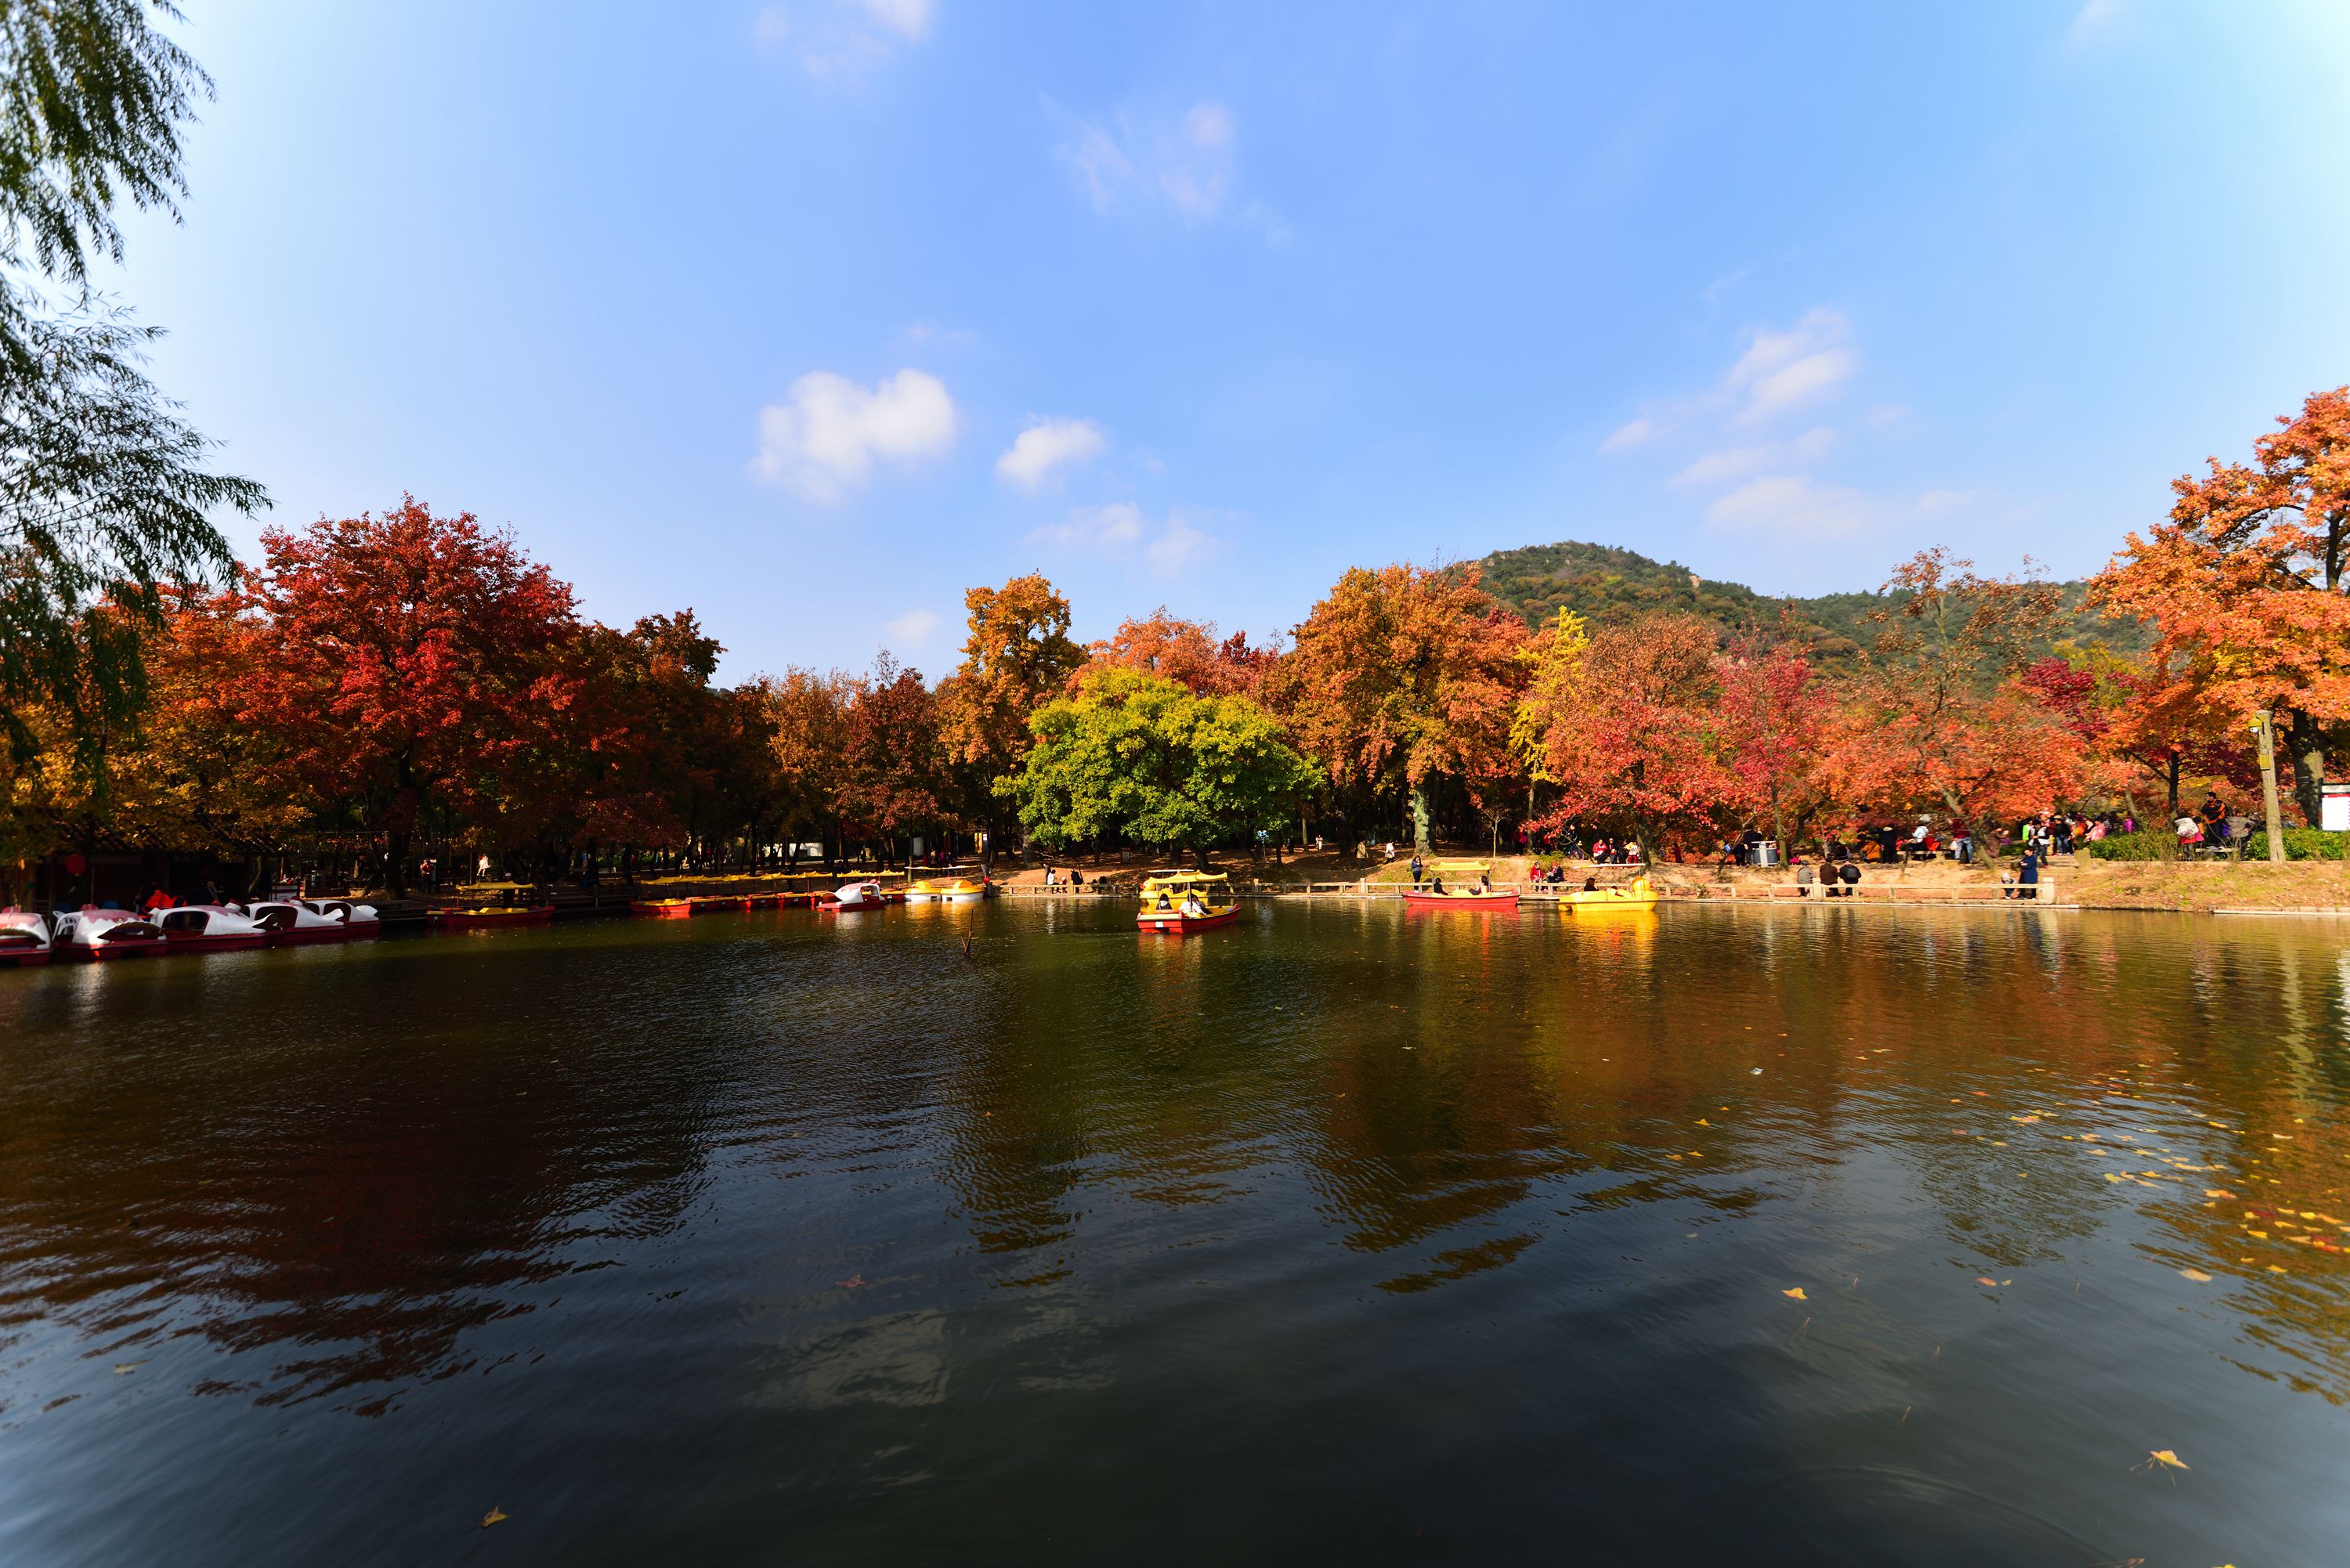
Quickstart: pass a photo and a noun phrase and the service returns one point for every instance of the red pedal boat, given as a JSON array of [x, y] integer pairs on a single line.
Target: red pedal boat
[[662, 908]]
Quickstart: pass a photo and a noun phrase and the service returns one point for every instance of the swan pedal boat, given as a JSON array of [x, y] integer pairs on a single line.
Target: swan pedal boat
[[95, 934], [1465, 896], [1637, 894], [296, 923], [1213, 888], [24, 939], [208, 928], [485, 919], [851, 896]]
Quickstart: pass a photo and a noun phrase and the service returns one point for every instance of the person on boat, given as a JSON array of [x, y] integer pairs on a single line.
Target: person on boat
[[1484, 881], [1192, 909], [1591, 884], [1436, 884], [1163, 905]]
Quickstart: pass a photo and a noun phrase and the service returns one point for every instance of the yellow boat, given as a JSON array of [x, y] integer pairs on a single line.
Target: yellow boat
[[960, 890], [1166, 893], [1637, 894]]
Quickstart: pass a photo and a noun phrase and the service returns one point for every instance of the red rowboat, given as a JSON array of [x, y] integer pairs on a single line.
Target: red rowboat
[[662, 908], [1178, 924], [1462, 900], [716, 906], [484, 919]]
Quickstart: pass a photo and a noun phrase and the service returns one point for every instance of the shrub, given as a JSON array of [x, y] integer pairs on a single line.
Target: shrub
[[2146, 844], [2299, 843]]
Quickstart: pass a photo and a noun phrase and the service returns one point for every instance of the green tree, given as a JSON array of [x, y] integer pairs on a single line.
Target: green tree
[[102, 492], [1132, 754]]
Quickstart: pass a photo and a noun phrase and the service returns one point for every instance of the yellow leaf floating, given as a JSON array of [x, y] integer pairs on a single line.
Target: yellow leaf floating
[[124, 1369], [2168, 1457], [491, 1517], [2198, 1275], [1797, 1293]]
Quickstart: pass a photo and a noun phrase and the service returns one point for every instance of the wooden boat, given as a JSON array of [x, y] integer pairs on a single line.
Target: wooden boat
[[93, 934], [1178, 903], [486, 919], [23, 938], [851, 896], [210, 929], [1637, 894], [291, 923], [1471, 890], [661, 908]]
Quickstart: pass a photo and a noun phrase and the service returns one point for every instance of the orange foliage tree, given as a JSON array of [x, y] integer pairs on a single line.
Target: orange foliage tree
[[2248, 586], [1017, 655], [1938, 716], [1402, 677], [395, 661], [1186, 653], [1631, 734], [1773, 715]]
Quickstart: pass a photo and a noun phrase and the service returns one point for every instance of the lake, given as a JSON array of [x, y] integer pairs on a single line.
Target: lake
[[1346, 1234]]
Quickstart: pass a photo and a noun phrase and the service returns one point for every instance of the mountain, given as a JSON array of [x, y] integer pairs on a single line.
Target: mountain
[[1604, 584]]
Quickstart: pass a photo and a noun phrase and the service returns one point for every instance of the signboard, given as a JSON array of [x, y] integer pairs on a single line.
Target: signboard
[[2334, 807]]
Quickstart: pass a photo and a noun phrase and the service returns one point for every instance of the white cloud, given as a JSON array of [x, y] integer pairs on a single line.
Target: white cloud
[[1177, 547], [1120, 531], [911, 629], [824, 438], [2094, 19], [1737, 462], [1936, 501], [842, 41], [1045, 445], [1628, 435], [1187, 163], [1781, 371], [1720, 467], [1794, 509], [910, 19]]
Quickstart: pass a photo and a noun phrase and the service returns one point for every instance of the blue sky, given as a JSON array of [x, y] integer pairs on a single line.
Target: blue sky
[[810, 314]]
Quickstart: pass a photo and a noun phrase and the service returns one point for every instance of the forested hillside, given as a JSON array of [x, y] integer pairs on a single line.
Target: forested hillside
[[1609, 585]]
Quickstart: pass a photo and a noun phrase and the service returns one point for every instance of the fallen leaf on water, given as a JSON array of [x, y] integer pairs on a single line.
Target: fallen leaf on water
[[1797, 1293], [2023, 1119], [2198, 1275], [2217, 1192], [2168, 1456], [2279, 1269], [121, 1367], [1981, 1281], [2116, 1176], [491, 1517], [851, 1283], [1703, 1123]]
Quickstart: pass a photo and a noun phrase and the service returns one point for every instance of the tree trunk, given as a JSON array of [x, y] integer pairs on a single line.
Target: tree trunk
[[1419, 816], [2307, 739], [2170, 777]]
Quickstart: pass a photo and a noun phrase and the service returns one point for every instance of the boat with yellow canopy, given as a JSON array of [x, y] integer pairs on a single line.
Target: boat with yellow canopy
[[952, 890], [1181, 902], [1639, 893], [1460, 885]]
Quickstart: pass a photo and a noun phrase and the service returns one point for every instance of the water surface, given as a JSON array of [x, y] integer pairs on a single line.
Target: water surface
[[1348, 1234]]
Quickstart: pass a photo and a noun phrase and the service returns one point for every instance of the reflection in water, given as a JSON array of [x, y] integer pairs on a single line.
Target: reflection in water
[[1441, 1227]]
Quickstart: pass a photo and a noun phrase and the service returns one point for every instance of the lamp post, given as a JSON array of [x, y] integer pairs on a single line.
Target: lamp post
[[2264, 729]]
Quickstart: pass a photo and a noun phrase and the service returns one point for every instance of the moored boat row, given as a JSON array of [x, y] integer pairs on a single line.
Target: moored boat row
[[90, 934]]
